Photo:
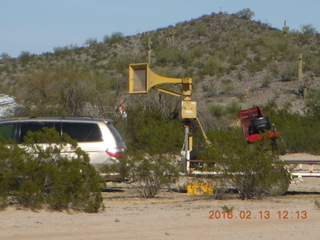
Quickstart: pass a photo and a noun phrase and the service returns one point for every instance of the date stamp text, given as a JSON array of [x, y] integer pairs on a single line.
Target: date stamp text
[[263, 214]]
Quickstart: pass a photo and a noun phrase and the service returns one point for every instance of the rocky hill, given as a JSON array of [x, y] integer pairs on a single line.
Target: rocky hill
[[233, 61]]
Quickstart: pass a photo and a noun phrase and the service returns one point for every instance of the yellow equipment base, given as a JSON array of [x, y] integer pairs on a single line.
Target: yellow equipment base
[[200, 188]]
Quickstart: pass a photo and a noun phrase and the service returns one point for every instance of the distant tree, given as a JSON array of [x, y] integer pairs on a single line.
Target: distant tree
[[313, 104], [5, 56], [245, 13], [91, 42], [306, 36], [25, 57], [114, 38], [308, 29]]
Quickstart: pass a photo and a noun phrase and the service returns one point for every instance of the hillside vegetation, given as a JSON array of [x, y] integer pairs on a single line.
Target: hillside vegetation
[[234, 63]]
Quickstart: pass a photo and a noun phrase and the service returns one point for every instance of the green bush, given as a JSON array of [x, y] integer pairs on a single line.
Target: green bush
[[34, 176], [300, 133], [313, 104], [307, 34], [245, 13], [200, 30], [230, 111], [254, 170], [147, 131], [172, 56], [275, 45], [115, 38], [25, 57], [217, 110], [213, 67], [237, 53], [255, 65], [148, 175]]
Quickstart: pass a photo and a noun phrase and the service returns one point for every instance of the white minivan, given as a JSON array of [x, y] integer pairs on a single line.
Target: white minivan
[[97, 137]]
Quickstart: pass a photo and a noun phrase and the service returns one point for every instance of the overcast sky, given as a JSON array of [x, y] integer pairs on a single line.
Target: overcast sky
[[39, 26]]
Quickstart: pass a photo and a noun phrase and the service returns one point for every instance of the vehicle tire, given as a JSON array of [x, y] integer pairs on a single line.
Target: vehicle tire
[[260, 124]]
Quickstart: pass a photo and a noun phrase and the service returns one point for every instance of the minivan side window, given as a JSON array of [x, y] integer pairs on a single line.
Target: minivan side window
[[35, 126], [6, 130], [82, 132]]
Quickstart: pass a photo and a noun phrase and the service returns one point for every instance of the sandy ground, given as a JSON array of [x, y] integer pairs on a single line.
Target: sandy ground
[[173, 215], [176, 216]]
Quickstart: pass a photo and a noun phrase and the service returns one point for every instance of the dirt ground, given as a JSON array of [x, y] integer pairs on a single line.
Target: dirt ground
[[173, 215]]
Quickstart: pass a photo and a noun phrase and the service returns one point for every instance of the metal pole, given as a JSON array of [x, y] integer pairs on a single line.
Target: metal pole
[[185, 156], [187, 146]]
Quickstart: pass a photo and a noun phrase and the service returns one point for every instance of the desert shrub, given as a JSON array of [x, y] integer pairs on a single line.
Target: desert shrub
[[11, 160], [258, 173], [307, 35], [213, 67], [198, 51], [217, 110], [230, 110], [226, 86], [34, 176], [254, 173], [149, 174], [300, 133], [313, 104], [25, 57], [266, 82], [91, 42], [172, 56], [148, 131], [245, 13], [233, 109], [289, 72], [255, 65], [310, 62], [5, 56], [237, 53], [200, 30], [274, 45], [115, 38]]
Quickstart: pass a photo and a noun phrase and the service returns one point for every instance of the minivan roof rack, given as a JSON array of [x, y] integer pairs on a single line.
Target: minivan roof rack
[[39, 118], [64, 117]]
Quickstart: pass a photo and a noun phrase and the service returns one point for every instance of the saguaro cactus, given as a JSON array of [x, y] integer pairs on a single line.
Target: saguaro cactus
[[285, 29], [149, 51], [170, 37], [302, 88]]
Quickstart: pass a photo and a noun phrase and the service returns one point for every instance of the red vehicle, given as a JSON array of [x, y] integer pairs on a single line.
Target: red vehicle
[[255, 126]]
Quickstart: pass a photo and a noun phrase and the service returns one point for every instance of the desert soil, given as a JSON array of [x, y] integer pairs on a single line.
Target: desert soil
[[173, 215]]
